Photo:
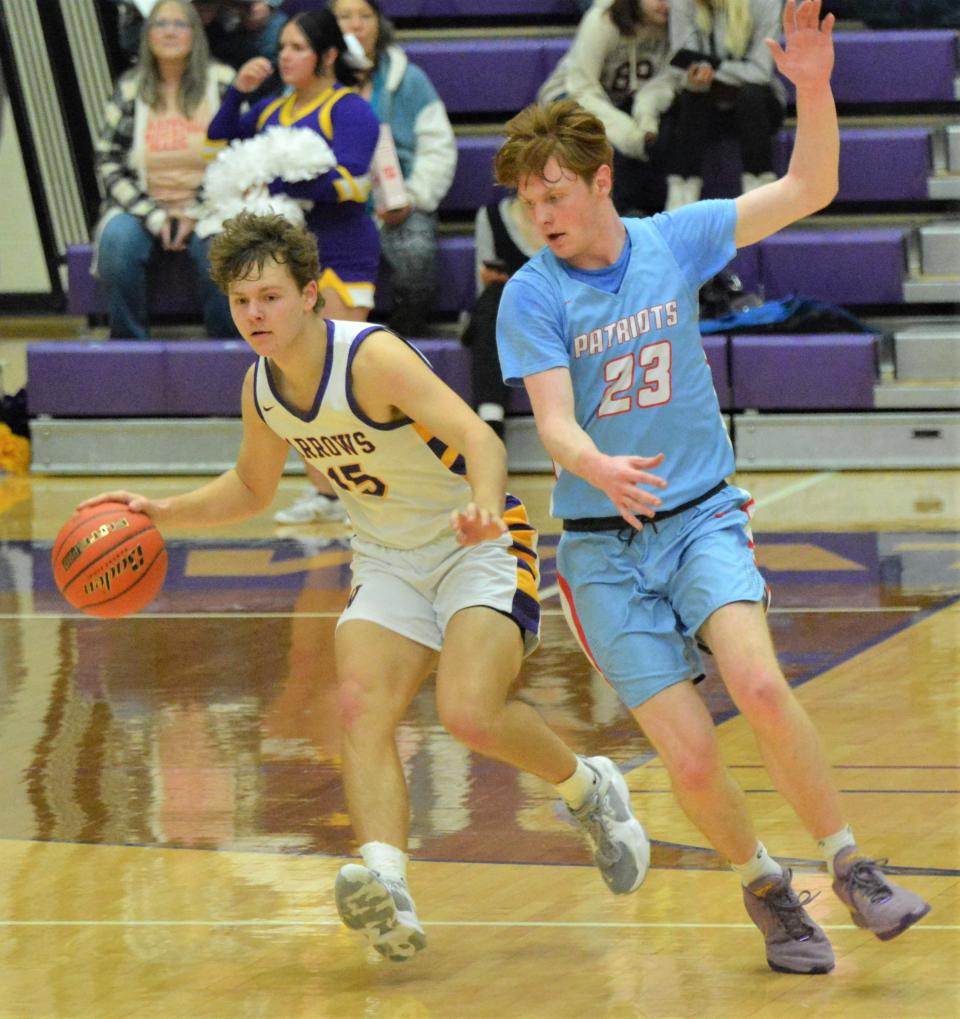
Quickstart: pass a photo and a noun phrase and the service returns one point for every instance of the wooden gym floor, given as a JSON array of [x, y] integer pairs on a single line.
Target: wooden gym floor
[[171, 814]]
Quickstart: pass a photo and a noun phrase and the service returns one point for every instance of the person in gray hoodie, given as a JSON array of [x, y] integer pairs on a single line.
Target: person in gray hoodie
[[405, 100], [617, 69]]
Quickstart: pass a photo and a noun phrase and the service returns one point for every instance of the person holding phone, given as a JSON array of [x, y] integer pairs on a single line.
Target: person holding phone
[[150, 161], [730, 86]]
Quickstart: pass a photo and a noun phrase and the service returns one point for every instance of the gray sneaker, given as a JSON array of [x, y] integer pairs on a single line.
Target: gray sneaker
[[795, 944], [381, 910], [621, 846], [874, 901]]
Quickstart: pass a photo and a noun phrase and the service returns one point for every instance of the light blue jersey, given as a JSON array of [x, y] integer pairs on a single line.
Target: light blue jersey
[[629, 336]]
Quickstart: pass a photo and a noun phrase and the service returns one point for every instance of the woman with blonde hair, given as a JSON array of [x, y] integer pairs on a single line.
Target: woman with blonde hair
[[150, 161], [730, 86]]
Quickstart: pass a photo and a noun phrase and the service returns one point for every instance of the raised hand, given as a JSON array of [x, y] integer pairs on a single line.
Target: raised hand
[[473, 525], [252, 74], [807, 58]]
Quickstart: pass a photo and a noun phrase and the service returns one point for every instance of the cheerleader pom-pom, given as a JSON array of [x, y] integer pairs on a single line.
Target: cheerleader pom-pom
[[237, 179], [294, 154]]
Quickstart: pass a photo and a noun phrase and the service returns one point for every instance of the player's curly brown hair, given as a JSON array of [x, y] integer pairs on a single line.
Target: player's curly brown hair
[[248, 241], [564, 130]]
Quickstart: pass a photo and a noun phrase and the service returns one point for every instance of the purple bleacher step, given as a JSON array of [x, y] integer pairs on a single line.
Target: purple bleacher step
[[533, 9], [902, 152], [865, 266], [117, 378], [203, 378], [806, 372], [510, 70], [912, 66], [172, 285]]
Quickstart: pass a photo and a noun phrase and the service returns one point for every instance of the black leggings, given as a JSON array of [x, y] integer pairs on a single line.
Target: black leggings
[[481, 338], [751, 112]]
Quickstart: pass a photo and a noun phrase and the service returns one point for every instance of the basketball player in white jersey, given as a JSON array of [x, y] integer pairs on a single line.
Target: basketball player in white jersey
[[445, 566]]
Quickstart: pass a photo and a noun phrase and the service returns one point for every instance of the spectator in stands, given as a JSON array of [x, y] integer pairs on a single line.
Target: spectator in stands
[[239, 30], [409, 108], [504, 239], [320, 73], [150, 163], [236, 30], [122, 22], [739, 93], [617, 69]]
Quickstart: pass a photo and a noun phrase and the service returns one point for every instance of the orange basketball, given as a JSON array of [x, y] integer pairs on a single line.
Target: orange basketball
[[109, 561]]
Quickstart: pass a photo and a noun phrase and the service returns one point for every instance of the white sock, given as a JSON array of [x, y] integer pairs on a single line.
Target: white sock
[[761, 864], [832, 845], [388, 861], [576, 789], [490, 412]]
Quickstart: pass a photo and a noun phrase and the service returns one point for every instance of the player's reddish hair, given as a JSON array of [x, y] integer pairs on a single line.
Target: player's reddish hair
[[563, 130]]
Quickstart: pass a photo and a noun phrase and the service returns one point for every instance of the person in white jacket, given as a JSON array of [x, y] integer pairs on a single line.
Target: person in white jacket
[[737, 92], [406, 102], [617, 69]]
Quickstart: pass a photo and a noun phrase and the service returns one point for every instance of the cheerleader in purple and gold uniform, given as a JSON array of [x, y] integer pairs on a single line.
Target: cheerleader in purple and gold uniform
[[319, 70]]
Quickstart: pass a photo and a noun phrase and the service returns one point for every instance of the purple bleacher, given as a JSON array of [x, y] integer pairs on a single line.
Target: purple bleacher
[[871, 67], [473, 184], [876, 165], [117, 378], [470, 8], [172, 284], [854, 267], [746, 265], [865, 266], [912, 66], [807, 372], [451, 362], [715, 347], [204, 378], [487, 75], [403, 9], [456, 275], [903, 152]]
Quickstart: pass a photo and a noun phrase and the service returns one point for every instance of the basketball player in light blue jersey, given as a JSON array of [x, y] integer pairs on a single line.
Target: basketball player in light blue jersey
[[602, 329], [445, 567]]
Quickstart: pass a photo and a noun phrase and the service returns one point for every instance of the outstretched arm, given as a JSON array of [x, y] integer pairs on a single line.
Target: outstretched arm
[[811, 179], [618, 477], [236, 494]]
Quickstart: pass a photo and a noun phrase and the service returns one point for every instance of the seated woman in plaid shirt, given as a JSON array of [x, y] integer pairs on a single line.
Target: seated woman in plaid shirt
[[150, 160]]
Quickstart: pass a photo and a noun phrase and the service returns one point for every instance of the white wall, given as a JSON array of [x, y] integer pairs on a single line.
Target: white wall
[[22, 267]]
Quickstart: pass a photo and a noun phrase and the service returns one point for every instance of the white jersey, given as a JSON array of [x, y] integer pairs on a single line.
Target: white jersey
[[399, 483]]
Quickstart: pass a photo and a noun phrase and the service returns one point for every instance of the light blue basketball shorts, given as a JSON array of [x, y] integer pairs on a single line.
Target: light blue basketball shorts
[[635, 606]]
